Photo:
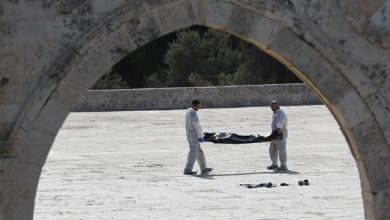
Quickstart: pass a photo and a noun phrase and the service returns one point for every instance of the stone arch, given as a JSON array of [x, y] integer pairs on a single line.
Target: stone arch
[[277, 28]]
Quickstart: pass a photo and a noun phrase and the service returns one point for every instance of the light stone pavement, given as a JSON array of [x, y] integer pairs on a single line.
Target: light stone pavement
[[128, 165]]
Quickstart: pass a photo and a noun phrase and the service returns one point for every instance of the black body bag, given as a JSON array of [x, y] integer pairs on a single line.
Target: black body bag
[[232, 138]]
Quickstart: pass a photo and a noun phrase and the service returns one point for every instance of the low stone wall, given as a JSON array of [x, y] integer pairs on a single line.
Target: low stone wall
[[210, 97]]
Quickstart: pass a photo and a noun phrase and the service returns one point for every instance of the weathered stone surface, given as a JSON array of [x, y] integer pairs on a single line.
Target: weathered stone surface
[[23, 184], [178, 98], [357, 77], [75, 7], [301, 55], [381, 16], [217, 15], [377, 173], [198, 8], [143, 29], [264, 31], [241, 21], [376, 201], [279, 11], [38, 143], [373, 156], [106, 6], [20, 10], [334, 86], [379, 105], [378, 72], [8, 112], [353, 110], [134, 9], [5, 129], [174, 17], [152, 4], [369, 140], [13, 87], [367, 23]]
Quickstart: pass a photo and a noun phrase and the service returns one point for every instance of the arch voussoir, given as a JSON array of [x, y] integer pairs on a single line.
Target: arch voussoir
[[19, 190], [379, 104], [376, 204], [351, 82], [173, 17], [143, 29], [352, 109], [372, 155], [302, 56]]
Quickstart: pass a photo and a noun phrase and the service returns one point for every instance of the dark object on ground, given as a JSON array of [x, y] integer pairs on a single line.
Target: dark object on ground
[[284, 184], [206, 170], [282, 168], [231, 138], [190, 172], [273, 167], [250, 186], [304, 182]]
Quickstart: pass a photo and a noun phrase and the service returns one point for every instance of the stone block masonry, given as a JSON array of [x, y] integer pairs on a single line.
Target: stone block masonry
[[210, 97]]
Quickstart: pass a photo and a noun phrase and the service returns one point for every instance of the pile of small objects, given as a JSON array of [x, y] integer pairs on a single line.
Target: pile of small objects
[[270, 185], [303, 183]]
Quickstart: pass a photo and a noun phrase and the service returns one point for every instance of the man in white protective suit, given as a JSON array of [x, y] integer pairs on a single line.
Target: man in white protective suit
[[194, 136], [278, 138]]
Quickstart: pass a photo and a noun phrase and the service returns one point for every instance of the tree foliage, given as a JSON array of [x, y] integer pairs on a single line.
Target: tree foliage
[[200, 57], [207, 55], [110, 81]]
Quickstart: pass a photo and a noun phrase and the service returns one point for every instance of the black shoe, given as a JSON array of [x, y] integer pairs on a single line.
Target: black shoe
[[206, 170], [282, 167], [189, 172], [272, 167]]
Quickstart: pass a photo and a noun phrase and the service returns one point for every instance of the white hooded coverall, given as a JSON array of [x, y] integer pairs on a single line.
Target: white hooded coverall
[[278, 147], [194, 132]]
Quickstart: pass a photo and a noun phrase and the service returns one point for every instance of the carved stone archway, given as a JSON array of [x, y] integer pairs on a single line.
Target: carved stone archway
[[314, 40]]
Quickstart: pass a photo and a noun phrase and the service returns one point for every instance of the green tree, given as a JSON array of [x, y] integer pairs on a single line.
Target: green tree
[[198, 80], [110, 81], [220, 59], [208, 55], [156, 80], [199, 56]]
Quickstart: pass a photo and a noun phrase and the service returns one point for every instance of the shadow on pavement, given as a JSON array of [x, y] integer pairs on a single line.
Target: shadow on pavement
[[290, 172], [205, 176], [211, 176]]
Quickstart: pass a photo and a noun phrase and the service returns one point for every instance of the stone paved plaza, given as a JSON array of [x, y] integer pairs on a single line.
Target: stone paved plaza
[[128, 165]]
